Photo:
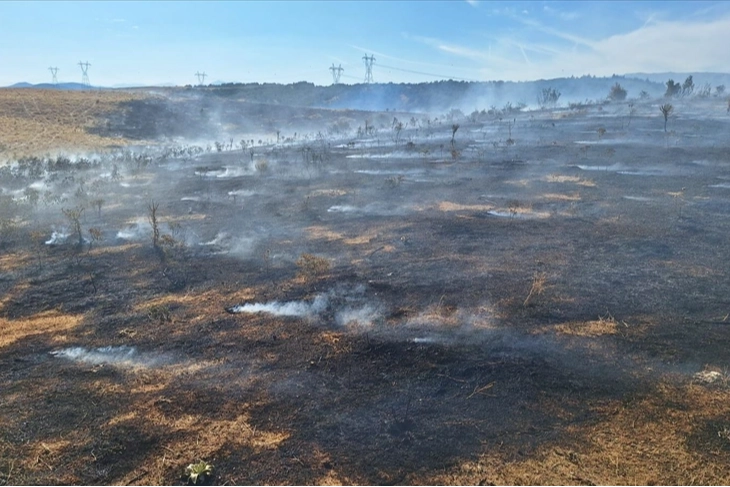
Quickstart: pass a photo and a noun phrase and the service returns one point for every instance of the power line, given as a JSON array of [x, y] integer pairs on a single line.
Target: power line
[[201, 77], [428, 74]]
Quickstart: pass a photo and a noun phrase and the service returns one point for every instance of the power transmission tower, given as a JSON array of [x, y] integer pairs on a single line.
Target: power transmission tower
[[85, 73], [201, 77], [53, 73], [336, 73], [368, 68]]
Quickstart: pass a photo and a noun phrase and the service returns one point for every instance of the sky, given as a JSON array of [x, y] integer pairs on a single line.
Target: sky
[[167, 42]]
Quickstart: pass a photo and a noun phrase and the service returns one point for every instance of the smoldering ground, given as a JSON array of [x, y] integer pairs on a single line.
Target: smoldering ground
[[429, 290]]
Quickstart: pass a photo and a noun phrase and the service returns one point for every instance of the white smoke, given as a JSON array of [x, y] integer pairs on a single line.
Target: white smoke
[[58, 238], [362, 318], [241, 193], [241, 246], [342, 209], [300, 309], [122, 356], [139, 230], [125, 184], [211, 173]]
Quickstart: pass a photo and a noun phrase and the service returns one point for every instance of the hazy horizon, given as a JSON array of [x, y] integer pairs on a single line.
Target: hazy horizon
[[157, 43]]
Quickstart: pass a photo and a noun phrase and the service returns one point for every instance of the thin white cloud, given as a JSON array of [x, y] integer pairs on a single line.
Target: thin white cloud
[[400, 60], [524, 55], [566, 16], [686, 45], [479, 55], [567, 36], [473, 3]]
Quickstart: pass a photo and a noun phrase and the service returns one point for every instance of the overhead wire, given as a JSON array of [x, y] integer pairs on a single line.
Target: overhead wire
[[426, 74], [441, 76]]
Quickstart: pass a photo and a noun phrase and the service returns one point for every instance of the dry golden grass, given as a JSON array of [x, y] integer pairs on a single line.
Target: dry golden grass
[[560, 178], [37, 122], [639, 443], [14, 261], [447, 206], [561, 197], [318, 232], [593, 328], [52, 321]]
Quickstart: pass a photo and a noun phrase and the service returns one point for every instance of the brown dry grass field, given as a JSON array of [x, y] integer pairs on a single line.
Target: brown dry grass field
[[35, 122], [359, 311]]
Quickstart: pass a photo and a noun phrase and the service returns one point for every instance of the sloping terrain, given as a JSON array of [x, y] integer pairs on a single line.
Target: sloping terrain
[[539, 298], [37, 122]]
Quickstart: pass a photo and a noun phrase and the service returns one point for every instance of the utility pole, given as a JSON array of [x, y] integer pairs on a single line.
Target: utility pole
[[85, 73], [368, 68], [53, 73], [336, 73], [201, 77]]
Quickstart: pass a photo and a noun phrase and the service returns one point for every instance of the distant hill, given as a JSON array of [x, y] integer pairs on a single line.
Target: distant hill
[[437, 96], [51, 86], [699, 79], [425, 97]]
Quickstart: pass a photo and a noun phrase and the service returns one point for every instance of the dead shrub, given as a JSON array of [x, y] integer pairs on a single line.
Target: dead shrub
[[310, 266], [539, 279]]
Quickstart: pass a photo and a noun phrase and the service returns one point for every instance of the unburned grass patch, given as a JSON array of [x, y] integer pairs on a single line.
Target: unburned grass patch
[[562, 178], [52, 322]]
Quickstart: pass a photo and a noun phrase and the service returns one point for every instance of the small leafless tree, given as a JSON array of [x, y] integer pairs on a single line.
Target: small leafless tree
[[152, 217], [454, 128], [96, 236], [666, 110], [38, 239], [632, 110], [98, 203], [398, 127], [74, 217]]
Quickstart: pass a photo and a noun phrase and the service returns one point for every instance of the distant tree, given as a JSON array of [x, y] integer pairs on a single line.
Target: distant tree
[[617, 93], [548, 97], [688, 86], [705, 90], [719, 90], [673, 89], [644, 95]]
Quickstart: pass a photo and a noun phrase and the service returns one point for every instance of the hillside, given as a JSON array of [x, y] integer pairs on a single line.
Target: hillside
[[437, 96]]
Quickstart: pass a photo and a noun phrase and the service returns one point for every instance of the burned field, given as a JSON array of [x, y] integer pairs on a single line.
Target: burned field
[[537, 297]]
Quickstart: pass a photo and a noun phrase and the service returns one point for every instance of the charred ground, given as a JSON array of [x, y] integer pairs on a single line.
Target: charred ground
[[530, 304]]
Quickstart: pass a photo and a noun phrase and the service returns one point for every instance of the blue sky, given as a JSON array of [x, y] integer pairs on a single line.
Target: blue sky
[[412, 41]]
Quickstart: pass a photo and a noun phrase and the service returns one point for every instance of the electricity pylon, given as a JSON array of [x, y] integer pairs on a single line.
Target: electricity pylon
[[53, 73], [201, 77], [85, 73], [368, 68], [336, 73]]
